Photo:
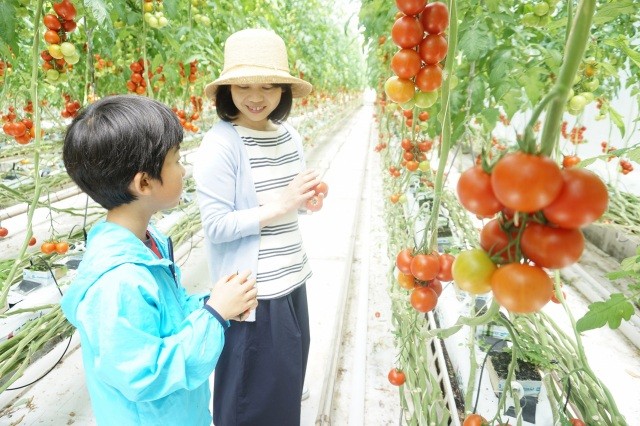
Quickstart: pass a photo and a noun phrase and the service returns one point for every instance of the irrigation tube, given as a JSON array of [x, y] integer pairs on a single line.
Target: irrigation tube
[[328, 383], [359, 365]]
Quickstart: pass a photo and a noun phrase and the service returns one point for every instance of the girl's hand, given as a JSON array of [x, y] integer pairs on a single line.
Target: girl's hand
[[299, 190]]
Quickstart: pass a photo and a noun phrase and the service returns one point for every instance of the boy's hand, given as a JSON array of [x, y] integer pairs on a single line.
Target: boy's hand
[[234, 296]]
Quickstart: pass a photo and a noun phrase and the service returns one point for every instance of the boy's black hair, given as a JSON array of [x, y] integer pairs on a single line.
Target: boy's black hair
[[227, 110], [113, 139]]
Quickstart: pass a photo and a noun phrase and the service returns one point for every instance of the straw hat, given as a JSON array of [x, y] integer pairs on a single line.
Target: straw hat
[[255, 56]]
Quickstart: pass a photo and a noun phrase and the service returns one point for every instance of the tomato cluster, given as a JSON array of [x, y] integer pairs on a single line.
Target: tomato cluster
[[314, 203], [193, 72], [137, 83], [22, 130], [153, 15], [3, 66], [187, 118], [71, 107], [423, 274], [418, 32], [414, 155], [60, 54], [60, 247], [540, 209]]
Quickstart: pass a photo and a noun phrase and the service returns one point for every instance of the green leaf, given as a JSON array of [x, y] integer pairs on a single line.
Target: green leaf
[[490, 118], [610, 312], [99, 11], [609, 11], [8, 25], [617, 120], [477, 42]]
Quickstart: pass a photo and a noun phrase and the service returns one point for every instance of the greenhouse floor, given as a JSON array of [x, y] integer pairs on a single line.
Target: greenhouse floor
[[349, 309]]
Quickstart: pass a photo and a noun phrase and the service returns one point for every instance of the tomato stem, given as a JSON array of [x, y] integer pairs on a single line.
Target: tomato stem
[[573, 52]]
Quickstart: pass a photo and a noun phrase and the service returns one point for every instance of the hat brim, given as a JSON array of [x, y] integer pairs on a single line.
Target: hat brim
[[299, 87]]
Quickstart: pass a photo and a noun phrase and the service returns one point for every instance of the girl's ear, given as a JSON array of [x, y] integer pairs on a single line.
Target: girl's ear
[[140, 184]]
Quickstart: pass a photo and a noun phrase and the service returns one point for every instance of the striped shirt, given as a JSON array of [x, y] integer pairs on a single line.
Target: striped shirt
[[282, 261]]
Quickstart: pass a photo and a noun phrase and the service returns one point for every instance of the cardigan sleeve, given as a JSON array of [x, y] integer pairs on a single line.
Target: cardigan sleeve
[[218, 173]]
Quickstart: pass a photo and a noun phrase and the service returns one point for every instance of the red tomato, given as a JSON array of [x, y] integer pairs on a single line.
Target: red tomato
[[429, 78], [399, 90], [474, 420], [423, 116], [521, 289], [322, 188], [3, 232], [423, 299], [403, 261], [405, 63], [396, 377], [435, 18], [62, 247], [472, 271], [410, 7], [65, 9], [407, 32], [51, 22], [446, 261], [48, 247], [583, 199], [425, 267], [51, 37], [32, 241], [433, 49], [436, 286], [551, 247], [577, 422], [476, 194], [406, 144], [569, 161], [425, 146], [495, 240], [526, 182], [314, 203], [406, 281]]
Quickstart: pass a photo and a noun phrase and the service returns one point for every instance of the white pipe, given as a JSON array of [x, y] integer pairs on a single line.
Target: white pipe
[[359, 366]]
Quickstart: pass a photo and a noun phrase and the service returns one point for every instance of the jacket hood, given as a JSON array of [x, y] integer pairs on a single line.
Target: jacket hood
[[108, 246]]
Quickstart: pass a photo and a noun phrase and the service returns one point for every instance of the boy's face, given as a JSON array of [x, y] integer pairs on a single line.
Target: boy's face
[[172, 174], [255, 102]]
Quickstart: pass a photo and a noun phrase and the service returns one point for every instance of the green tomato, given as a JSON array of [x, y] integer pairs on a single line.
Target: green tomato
[[408, 105], [52, 75], [423, 166], [591, 85], [541, 8], [577, 103], [454, 81], [588, 96], [67, 49], [73, 59], [425, 99], [403, 198], [472, 271], [530, 20]]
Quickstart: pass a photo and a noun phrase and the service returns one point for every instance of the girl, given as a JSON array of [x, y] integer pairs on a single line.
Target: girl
[[251, 180]]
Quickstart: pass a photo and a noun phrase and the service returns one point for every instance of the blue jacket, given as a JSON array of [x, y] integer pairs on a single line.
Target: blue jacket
[[228, 201], [148, 348]]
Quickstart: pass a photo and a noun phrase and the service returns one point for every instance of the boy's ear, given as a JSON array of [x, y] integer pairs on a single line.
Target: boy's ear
[[140, 184]]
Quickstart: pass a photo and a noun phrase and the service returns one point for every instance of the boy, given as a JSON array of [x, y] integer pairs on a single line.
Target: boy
[[148, 348]]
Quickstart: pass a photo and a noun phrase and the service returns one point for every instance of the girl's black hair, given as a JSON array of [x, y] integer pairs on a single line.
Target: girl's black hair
[[113, 139], [227, 110]]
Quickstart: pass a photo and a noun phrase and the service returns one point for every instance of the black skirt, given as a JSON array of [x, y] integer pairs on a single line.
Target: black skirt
[[259, 376]]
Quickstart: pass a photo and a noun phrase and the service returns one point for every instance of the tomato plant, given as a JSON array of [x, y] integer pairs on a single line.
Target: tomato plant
[[520, 288], [472, 271], [396, 377]]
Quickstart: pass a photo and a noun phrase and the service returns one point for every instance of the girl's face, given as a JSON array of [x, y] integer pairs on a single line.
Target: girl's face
[[255, 102]]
